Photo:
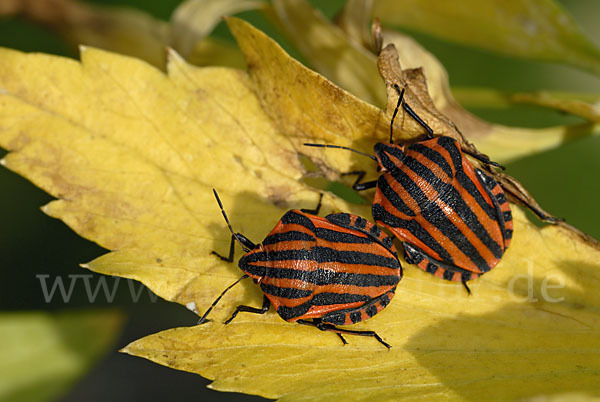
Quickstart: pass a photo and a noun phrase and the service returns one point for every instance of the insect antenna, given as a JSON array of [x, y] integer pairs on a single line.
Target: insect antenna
[[400, 100], [410, 112], [246, 244], [203, 318], [340, 147]]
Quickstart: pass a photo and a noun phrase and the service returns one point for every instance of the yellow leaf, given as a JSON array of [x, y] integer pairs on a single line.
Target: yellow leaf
[[326, 47], [132, 155], [539, 30], [305, 105], [134, 164], [445, 345], [354, 69], [43, 353]]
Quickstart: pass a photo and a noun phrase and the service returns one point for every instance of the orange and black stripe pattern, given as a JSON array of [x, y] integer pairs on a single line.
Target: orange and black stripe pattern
[[341, 268], [454, 220]]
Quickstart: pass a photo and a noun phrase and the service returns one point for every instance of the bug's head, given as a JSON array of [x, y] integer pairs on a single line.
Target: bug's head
[[252, 263], [389, 156]]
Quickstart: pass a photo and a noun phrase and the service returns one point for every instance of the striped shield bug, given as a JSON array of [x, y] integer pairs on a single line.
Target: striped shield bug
[[453, 219], [316, 271]]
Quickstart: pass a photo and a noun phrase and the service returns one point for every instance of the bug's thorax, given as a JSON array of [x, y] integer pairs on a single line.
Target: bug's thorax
[[425, 164]]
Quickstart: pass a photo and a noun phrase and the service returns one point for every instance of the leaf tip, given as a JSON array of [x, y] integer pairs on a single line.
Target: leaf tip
[[3, 161], [233, 23], [173, 56], [86, 266]]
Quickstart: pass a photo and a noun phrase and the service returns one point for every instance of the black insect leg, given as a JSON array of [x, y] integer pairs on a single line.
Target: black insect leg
[[248, 309], [467, 287], [231, 251], [358, 186], [332, 328], [314, 324], [540, 213], [242, 239], [543, 216], [533, 208], [483, 158], [203, 319], [520, 198], [314, 211], [342, 338]]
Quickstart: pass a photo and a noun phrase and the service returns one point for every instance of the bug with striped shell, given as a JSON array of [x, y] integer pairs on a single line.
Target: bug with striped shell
[[453, 219], [323, 272]]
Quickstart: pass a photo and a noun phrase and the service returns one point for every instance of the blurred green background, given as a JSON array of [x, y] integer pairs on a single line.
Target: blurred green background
[[564, 181]]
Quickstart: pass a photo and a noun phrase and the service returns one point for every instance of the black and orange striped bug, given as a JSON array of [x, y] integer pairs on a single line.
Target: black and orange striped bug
[[323, 272], [453, 219]]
